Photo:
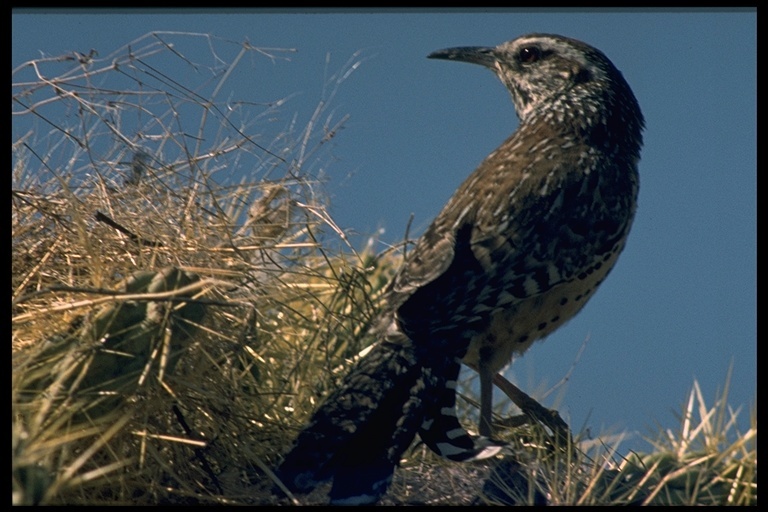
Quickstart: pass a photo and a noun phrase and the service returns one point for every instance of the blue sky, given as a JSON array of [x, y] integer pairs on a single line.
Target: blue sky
[[681, 303]]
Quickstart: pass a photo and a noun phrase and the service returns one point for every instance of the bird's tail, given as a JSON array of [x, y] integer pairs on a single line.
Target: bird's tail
[[359, 434]]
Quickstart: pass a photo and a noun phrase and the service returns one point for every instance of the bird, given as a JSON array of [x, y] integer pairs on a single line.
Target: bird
[[516, 252]]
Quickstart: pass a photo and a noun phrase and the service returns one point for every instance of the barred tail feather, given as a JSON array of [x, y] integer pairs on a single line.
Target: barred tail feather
[[358, 435], [441, 430], [361, 431]]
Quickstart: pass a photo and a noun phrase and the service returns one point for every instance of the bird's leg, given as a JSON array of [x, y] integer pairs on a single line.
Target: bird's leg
[[533, 410], [486, 398]]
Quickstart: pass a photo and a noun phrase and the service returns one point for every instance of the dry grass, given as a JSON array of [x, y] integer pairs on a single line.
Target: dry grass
[[173, 326], [130, 386]]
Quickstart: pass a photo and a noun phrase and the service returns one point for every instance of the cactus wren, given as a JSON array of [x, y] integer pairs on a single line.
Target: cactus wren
[[517, 251]]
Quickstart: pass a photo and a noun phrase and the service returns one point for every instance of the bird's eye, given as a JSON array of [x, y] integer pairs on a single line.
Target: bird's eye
[[529, 54]]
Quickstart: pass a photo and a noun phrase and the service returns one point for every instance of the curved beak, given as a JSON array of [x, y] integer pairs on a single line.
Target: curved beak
[[482, 55]]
